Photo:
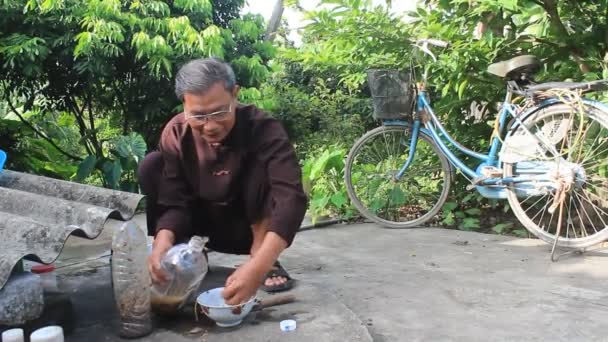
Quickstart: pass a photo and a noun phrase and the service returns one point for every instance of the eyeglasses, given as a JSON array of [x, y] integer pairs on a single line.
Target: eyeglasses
[[220, 115]]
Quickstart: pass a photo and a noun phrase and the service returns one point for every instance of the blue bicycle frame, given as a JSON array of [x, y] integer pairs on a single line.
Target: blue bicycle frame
[[493, 187]]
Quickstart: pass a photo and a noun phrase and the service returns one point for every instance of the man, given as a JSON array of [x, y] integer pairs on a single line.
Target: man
[[228, 172]]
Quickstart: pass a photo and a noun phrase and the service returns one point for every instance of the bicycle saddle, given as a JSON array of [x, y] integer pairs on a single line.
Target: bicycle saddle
[[515, 67]]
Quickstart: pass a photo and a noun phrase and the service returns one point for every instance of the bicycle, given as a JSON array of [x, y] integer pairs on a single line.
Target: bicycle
[[547, 157]]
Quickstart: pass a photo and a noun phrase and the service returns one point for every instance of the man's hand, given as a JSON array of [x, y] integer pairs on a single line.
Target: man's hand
[[163, 241], [244, 282]]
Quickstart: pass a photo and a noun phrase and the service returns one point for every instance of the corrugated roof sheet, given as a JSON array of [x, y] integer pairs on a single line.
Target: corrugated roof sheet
[[37, 214]]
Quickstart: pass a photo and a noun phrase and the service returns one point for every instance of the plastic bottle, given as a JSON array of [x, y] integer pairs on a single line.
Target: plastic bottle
[[131, 280], [185, 266]]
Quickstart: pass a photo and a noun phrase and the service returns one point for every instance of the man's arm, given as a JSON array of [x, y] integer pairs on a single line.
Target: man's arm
[[285, 180], [289, 207], [174, 197], [175, 193]]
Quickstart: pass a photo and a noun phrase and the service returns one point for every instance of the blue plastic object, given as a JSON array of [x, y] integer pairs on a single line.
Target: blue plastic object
[[2, 159]]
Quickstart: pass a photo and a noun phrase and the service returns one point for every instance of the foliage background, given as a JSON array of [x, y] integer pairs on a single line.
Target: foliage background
[[87, 85]]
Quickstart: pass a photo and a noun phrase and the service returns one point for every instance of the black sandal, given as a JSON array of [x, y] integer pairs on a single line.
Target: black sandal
[[279, 272]]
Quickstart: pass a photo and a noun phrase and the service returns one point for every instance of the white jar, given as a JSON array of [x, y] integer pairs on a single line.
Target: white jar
[[53, 333], [13, 335]]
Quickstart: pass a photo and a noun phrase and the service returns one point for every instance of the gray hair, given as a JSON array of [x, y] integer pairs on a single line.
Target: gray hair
[[198, 75]]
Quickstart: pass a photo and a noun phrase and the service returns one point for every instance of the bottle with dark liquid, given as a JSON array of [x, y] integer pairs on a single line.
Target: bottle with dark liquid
[[185, 266]]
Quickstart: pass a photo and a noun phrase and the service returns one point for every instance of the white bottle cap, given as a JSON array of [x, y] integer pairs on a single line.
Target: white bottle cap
[[13, 335], [288, 325], [53, 333]]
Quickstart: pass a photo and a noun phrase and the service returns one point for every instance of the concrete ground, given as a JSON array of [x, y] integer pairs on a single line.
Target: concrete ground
[[320, 316], [422, 285]]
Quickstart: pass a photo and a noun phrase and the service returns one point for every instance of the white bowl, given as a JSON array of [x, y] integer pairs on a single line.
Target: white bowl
[[213, 306]]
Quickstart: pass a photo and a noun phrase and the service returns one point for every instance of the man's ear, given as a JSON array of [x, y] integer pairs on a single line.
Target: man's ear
[[235, 91]]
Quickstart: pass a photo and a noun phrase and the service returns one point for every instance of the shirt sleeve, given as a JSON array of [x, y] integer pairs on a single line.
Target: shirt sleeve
[[175, 194], [285, 177]]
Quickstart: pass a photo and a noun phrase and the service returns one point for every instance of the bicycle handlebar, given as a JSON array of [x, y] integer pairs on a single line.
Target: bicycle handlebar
[[434, 42], [423, 44]]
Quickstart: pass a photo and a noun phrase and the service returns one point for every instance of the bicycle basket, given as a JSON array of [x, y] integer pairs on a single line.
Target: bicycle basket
[[393, 94]]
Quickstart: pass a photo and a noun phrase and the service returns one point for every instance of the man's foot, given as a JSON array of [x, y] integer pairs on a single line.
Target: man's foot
[[278, 280]]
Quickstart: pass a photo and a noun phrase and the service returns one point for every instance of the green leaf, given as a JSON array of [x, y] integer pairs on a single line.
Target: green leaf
[[376, 205], [85, 168], [521, 233], [131, 146], [319, 165], [449, 218], [449, 206], [499, 228], [473, 211], [462, 88], [468, 197], [112, 172], [397, 196], [469, 223], [339, 199], [509, 4]]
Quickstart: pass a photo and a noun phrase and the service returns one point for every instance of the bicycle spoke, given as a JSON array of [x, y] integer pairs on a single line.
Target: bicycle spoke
[[582, 143], [595, 209], [586, 213], [591, 203], [388, 153], [586, 156], [532, 206], [596, 187], [589, 154], [570, 220], [595, 164], [544, 208], [528, 198], [580, 217], [570, 135]]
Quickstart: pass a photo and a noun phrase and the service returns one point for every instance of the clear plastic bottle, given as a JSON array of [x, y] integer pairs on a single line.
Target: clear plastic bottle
[[185, 266], [131, 280]]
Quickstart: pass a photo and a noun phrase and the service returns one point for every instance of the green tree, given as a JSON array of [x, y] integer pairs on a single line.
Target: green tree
[[347, 37], [109, 65]]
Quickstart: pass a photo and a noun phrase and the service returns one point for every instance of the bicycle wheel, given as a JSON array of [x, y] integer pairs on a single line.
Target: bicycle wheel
[[576, 205], [371, 166]]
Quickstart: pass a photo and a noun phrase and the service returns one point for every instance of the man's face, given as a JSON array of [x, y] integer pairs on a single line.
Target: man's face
[[211, 114]]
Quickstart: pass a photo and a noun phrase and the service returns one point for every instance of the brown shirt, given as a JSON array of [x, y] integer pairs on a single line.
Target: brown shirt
[[194, 170]]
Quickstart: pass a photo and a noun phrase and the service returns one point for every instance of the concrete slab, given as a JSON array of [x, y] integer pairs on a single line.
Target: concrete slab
[[319, 315], [446, 285]]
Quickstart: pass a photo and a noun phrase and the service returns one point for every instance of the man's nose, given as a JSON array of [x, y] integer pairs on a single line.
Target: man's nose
[[211, 125]]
